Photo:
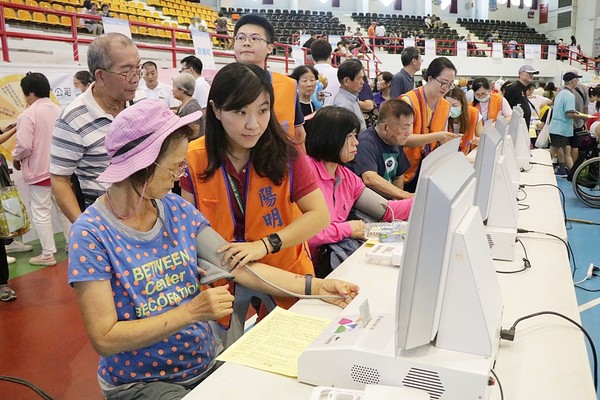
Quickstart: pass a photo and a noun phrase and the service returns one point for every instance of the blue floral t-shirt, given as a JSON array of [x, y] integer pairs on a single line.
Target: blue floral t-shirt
[[150, 273]]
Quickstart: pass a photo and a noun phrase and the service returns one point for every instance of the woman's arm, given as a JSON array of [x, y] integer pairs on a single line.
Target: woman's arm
[[314, 218], [110, 336]]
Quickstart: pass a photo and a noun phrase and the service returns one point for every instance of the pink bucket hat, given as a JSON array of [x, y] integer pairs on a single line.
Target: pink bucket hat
[[136, 135]]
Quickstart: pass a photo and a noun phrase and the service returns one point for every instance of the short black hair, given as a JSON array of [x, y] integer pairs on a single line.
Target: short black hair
[[320, 50], [256, 19], [35, 83], [327, 132], [152, 63], [301, 70], [408, 54], [437, 65], [349, 69], [194, 63]]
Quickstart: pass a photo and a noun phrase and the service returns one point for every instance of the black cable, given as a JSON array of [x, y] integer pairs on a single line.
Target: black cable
[[523, 207], [562, 196], [510, 335], [524, 192], [499, 384], [25, 383], [526, 263], [569, 250], [537, 163]]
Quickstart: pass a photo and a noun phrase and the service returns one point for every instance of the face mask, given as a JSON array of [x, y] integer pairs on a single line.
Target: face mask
[[484, 99], [77, 92], [455, 112]]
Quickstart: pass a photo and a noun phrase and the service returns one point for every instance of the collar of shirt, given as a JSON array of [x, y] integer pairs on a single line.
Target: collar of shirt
[[345, 93], [322, 172], [94, 109]]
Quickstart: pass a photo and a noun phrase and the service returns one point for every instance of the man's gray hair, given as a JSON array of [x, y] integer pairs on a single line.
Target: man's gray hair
[[98, 55]]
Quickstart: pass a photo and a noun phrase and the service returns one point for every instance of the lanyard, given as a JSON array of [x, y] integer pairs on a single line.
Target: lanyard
[[236, 193], [424, 127]]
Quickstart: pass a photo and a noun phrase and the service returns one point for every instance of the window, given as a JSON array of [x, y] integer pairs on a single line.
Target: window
[[565, 3], [563, 20]]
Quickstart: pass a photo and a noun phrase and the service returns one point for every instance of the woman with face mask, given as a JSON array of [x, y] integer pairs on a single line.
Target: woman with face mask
[[489, 104], [81, 82], [464, 120]]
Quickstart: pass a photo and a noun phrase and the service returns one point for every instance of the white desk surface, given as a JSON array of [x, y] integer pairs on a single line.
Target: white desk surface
[[548, 358]]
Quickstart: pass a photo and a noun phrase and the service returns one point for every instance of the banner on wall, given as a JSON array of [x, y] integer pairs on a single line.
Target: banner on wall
[[552, 52], [430, 47], [116, 25], [298, 55], [497, 50], [203, 48], [409, 42], [461, 49], [533, 51], [544, 13]]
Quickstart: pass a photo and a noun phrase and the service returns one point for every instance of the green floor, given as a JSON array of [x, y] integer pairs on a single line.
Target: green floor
[[22, 266]]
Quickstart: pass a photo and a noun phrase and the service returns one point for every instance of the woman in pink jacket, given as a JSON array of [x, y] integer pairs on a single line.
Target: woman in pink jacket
[[31, 155], [330, 143]]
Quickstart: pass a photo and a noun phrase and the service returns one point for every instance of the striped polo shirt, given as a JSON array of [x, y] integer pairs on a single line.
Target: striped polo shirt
[[78, 144]]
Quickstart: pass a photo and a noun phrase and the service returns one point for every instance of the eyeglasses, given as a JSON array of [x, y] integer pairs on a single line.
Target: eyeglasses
[[129, 75], [179, 172], [254, 39], [445, 85], [183, 69]]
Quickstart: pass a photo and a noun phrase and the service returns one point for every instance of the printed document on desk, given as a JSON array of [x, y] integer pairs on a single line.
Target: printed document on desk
[[275, 344]]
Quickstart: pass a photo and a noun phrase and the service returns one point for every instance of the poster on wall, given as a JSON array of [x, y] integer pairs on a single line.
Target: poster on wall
[[533, 51], [203, 48], [409, 42], [544, 13], [430, 47], [461, 48], [497, 50], [116, 25], [552, 52]]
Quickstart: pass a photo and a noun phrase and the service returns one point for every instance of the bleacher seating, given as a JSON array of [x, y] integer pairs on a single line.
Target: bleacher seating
[[288, 23], [507, 30]]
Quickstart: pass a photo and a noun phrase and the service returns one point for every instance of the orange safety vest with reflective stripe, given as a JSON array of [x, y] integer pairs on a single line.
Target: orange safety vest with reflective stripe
[[439, 123], [493, 109], [284, 89], [268, 209]]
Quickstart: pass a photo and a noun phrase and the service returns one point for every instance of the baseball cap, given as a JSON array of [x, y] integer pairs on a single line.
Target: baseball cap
[[571, 74], [136, 135], [529, 69]]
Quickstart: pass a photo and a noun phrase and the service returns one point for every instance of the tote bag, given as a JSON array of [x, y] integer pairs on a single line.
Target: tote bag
[[14, 220]]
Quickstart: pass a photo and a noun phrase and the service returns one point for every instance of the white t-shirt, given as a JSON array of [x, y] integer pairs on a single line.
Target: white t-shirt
[[333, 85], [201, 91], [162, 91]]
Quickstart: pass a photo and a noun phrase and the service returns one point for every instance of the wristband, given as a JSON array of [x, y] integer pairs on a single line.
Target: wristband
[[308, 284], [264, 244]]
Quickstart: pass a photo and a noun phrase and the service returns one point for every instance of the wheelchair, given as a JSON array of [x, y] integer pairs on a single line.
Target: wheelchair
[[586, 178]]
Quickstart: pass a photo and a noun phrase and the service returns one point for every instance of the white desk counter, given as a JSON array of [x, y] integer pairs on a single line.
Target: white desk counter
[[548, 358]]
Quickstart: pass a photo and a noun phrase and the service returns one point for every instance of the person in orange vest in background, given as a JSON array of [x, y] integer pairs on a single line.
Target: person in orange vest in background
[[253, 42], [489, 104], [371, 34], [431, 117], [464, 120]]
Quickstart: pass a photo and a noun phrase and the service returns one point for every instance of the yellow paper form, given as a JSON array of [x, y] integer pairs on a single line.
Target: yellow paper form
[[275, 343]]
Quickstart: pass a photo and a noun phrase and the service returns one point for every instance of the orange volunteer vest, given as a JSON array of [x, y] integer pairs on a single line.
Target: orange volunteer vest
[[284, 89], [439, 122], [494, 108], [467, 138], [268, 208]]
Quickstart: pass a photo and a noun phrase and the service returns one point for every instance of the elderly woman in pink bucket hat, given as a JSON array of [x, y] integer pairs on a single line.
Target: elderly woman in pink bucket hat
[[134, 264]]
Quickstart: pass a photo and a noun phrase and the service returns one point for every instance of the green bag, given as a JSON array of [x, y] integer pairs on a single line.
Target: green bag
[[14, 220]]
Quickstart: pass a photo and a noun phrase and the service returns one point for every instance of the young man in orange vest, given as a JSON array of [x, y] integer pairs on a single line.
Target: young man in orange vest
[[253, 42], [431, 117]]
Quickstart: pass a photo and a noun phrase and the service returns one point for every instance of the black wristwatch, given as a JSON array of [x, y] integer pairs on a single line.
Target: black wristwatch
[[275, 241]]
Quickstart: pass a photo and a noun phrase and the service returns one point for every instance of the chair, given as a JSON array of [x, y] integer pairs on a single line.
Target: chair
[[53, 20], [152, 32], [65, 21], [142, 30], [58, 7], [70, 9], [39, 18], [133, 18], [45, 5], [24, 15], [10, 14], [31, 3]]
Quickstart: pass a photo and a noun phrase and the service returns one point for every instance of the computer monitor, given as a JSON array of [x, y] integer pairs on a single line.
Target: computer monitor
[[445, 191], [486, 159], [518, 131]]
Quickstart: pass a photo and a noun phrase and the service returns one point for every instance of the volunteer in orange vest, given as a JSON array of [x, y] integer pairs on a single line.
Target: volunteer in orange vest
[[489, 104], [431, 117], [253, 42], [248, 178], [464, 120]]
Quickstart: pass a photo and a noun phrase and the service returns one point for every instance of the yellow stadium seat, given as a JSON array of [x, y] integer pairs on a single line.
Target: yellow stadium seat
[[31, 3], [124, 16], [70, 9], [20, 2], [134, 29], [138, 5], [150, 21], [143, 30], [153, 2], [131, 10], [53, 19], [142, 20], [45, 5], [10, 13], [39, 18], [65, 21], [147, 13], [152, 32], [155, 14], [161, 33], [133, 18], [23, 15], [58, 7]]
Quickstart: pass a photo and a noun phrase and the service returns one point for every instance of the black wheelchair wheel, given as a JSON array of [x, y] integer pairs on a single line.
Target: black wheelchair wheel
[[586, 182]]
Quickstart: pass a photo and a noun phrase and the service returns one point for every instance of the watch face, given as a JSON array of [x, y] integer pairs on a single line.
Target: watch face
[[275, 241]]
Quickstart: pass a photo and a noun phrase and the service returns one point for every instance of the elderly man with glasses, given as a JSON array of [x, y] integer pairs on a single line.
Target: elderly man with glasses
[[78, 137]]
